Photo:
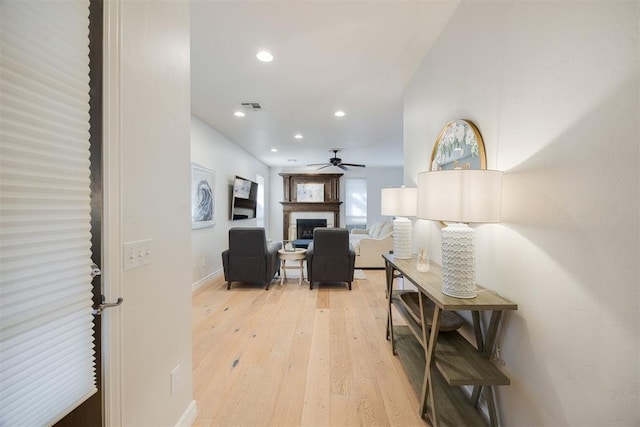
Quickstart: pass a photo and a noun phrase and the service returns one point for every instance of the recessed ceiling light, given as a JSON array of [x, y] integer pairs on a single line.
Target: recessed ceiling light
[[274, 150], [238, 114], [264, 56], [339, 114], [292, 160], [297, 136]]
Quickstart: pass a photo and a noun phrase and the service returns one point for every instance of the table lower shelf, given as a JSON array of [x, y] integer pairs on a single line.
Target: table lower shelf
[[453, 406], [458, 361]]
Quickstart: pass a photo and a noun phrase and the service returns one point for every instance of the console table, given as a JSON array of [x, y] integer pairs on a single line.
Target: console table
[[438, 363]]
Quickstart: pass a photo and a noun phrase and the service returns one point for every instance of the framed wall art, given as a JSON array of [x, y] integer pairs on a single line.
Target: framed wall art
[[202, 197], [310, 192], [459, 146]]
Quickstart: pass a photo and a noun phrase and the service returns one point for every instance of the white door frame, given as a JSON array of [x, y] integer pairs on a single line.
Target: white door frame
[[112, 219]]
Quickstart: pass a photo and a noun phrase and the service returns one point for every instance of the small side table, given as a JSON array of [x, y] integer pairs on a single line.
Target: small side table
[[297, 255]]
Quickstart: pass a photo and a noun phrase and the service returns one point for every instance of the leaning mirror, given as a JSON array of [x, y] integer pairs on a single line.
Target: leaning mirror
[[459, 146]]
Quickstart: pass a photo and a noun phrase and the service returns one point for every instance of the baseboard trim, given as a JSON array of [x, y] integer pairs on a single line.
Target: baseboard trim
[[189, 417], [206, 279]]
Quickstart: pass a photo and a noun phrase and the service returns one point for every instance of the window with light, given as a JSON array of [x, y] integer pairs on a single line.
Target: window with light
[[356, 203]]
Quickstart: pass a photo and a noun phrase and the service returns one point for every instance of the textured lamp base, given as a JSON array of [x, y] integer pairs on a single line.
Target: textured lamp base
[[458, 261], [402, 238]]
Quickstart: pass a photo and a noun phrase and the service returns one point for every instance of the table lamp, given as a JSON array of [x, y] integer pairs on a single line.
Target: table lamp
[[459, 197], [400, 202]]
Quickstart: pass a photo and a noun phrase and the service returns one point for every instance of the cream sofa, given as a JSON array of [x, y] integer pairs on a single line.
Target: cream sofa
[[371, 243]]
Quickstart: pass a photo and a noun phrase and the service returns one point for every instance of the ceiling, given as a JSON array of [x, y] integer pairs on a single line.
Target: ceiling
[[355, 56]]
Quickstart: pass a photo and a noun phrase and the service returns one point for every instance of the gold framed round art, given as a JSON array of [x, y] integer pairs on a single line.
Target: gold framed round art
[[459, 146]]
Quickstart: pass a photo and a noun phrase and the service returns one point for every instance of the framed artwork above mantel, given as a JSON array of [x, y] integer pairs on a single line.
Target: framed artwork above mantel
[[310, 193]]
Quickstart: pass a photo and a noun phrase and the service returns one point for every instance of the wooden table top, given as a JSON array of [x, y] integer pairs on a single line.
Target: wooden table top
[[295, 254], [430, 283]]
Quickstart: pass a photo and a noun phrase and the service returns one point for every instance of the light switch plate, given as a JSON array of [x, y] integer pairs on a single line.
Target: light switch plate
[[136, 254]]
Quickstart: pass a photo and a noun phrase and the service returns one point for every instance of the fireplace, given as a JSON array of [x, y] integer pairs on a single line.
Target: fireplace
[[305, 227], [326, 207]]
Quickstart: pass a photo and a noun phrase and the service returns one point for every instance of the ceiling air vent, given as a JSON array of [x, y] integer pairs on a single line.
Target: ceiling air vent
[[253, 106]]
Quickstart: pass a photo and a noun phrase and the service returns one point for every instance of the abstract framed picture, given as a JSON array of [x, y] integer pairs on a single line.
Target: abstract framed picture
[[202, 197], [309, 193]]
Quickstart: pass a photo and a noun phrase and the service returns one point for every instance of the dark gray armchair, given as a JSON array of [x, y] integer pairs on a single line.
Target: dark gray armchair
[[330, 257], [249, 257]]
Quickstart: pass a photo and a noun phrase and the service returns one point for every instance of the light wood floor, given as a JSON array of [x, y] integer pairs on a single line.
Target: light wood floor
[[290, 356]]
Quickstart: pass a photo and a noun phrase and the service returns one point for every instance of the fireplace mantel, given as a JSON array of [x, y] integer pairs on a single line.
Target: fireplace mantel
[[331, 202], [311, 206]]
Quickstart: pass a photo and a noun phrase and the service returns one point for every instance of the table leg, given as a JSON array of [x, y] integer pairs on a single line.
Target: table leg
[[492, 333], [389, 283], [301, 272], [430, 351], [491, 404], [283, 276], [478, 331], [477, 327], [485, 345]]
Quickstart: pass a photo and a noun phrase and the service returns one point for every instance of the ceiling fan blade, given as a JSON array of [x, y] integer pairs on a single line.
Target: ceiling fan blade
[[336, 161]]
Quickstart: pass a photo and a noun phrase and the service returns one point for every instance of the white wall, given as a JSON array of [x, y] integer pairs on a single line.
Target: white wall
[[214, 151], [377, 179], [154, 174], [554, 89]]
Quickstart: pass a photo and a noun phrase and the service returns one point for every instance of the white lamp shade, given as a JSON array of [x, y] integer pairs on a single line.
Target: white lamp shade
[[460, 195], [400, 201]]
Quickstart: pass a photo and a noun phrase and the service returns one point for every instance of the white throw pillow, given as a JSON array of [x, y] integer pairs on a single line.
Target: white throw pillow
[[375, 229], [385, 230]]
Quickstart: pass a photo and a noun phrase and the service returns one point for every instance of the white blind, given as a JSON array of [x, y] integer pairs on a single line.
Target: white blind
[[356, 201], [46, 341]]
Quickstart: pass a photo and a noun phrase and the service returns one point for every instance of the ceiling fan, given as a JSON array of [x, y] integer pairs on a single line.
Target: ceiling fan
[[336, 161]]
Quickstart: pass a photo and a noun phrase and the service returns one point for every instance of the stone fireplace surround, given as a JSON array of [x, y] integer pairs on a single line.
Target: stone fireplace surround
[[295, 216]]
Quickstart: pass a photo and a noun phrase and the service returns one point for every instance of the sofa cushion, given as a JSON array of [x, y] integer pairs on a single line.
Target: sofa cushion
[[357, 237]]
